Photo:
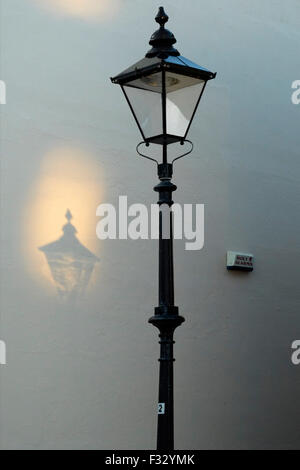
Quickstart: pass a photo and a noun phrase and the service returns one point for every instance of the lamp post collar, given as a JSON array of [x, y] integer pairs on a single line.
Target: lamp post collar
[[162, 40]]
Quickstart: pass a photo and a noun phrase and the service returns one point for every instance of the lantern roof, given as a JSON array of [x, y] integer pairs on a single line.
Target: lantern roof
[[162, 56]]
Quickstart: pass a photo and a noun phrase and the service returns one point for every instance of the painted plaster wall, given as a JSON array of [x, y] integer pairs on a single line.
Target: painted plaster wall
[[84, 374]]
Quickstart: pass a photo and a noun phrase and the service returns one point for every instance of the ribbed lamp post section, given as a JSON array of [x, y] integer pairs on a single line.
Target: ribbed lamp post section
[[163, 91]]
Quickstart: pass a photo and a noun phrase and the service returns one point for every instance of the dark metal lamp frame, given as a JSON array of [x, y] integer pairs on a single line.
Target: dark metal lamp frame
[[164, 58], [162, 66]]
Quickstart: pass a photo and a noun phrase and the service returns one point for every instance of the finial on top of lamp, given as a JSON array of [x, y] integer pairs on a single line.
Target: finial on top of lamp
[[162, 40], [161, 17]]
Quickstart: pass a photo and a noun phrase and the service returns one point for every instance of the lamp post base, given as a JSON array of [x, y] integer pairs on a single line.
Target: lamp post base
[[166, 323]]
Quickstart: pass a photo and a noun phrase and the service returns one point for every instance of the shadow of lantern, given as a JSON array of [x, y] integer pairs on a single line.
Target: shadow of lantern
[[70, 262]]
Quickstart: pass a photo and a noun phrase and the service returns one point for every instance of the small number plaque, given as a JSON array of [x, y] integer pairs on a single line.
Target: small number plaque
[[161, 408]]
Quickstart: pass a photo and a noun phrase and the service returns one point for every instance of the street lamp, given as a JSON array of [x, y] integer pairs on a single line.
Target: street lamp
[[163, 91]]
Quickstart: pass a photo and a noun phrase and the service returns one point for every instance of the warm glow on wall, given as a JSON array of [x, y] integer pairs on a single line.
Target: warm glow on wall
[[68, 179], [88, 9]]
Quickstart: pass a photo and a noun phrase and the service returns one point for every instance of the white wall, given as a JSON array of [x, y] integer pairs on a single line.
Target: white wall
[[84, 375]]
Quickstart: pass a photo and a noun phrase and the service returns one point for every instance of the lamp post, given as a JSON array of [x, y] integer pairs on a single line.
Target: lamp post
[[163, 91]]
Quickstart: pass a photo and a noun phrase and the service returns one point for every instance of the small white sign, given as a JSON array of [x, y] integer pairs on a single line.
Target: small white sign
[[161, 408], [239, 261]]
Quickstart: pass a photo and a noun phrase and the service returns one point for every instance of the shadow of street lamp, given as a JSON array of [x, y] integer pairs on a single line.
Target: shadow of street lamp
[[71, 263]]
